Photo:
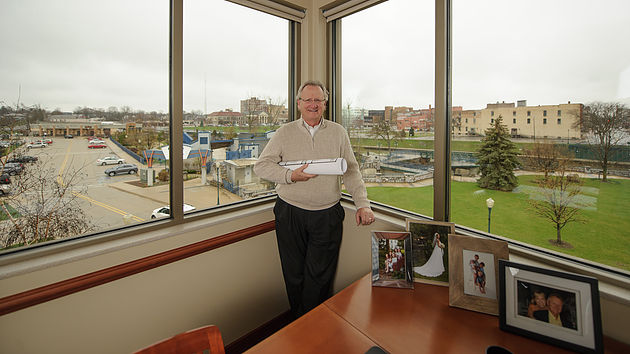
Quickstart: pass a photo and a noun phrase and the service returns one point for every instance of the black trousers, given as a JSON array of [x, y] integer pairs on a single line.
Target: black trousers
[[308, 242]]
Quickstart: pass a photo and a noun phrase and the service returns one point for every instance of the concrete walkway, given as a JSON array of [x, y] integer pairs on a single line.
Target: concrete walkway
[[195, 194]]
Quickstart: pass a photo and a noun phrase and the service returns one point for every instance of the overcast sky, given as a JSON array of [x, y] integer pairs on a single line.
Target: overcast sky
[[65, 54]]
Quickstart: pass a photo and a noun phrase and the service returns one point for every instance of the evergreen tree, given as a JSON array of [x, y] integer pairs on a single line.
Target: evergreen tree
[[497, 158]]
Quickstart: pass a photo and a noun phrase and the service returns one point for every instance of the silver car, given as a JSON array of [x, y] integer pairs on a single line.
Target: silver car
[[109, 160], [36, 145]]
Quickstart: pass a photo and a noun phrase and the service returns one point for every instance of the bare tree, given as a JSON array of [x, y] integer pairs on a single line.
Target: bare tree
[[382, 130], [544, 156], [559, 202], [275, 109], [44, 205], [605, 122], [252, 108]]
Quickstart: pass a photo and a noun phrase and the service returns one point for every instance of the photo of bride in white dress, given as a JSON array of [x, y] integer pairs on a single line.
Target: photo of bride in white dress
[[430, 250], [435, 265]]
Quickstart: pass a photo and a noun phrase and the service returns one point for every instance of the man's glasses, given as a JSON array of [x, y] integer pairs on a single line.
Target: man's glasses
[[312, 100]]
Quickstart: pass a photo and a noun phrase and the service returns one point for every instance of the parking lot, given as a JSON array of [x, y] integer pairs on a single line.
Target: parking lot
[[113, 201]]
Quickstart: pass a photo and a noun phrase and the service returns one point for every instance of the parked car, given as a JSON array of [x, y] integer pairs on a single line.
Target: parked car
[[5, 189], [12, 168], [68, 136], [109, 160], [97, 146], [165, 211], [23, 159], [36, 145], [122, 169], [47, 140], [96, 141]]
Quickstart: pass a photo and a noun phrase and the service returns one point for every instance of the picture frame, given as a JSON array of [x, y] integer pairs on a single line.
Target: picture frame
[[391, 265], [571, 318], [474, 272], [429, 241]]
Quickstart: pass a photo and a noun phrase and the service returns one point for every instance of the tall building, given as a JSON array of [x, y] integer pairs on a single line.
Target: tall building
[[254, 106]]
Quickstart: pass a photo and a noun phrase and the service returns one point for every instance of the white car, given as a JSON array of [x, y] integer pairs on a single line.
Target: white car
[[109, 160], [165, 211], [96, 141], [5, 189], [36, 144]]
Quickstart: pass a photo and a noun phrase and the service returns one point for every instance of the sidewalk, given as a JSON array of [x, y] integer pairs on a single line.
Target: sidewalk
[[195, 194]]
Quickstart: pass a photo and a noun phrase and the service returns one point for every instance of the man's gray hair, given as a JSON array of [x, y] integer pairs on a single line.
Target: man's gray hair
[[312, 83]]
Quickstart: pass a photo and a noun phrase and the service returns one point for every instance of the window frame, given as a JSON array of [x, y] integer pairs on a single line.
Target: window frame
[[176, 120], [442, 142]]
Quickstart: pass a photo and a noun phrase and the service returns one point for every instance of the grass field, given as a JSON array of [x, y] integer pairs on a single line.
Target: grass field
[[603, 236], [456, 145]]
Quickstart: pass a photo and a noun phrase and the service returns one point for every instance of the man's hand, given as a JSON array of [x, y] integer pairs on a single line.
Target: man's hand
[[300, 175], [364, 216]]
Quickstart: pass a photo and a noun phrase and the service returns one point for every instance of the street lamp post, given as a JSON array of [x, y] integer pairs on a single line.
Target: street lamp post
[[489, 204], [218, 182]]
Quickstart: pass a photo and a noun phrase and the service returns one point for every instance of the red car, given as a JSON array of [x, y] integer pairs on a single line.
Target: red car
[[97, 146]]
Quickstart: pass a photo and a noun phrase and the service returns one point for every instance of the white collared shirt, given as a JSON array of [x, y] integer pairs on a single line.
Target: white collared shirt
[[312, 130]]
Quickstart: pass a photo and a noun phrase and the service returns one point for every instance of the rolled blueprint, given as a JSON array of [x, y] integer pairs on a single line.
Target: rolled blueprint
[[336, 166]]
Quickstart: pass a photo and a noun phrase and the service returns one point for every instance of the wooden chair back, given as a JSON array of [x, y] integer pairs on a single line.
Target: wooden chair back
[[201, 340]]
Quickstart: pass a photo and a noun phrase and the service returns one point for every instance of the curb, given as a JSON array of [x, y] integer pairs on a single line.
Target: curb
[[137, 194]]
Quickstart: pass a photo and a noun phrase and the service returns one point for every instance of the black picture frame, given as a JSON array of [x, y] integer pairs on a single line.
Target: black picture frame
[[578, 325]]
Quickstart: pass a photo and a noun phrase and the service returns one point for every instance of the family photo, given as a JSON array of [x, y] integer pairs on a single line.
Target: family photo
[[391, 265], [479, 274], [430, 249], [547, 304]]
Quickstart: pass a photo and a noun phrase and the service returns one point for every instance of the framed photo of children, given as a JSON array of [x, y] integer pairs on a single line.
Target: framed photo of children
[[551, 306], [474, 272], [391, 265], [429, 241]]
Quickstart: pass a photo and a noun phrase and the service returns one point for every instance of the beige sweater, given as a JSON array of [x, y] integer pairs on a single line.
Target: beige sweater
[[292, 142]]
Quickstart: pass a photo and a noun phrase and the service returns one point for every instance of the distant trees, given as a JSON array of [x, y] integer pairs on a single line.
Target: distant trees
[[275, 109], [545, 156], [382, 130], [497, 158], [606, 123]]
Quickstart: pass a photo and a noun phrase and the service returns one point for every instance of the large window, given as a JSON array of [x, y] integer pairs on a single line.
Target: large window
[[493, 70], [86, 141], [235, 93], [84, 91], [388, 94], [494, 78]]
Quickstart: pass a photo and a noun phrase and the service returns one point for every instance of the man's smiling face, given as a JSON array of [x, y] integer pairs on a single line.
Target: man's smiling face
[[311, 104]]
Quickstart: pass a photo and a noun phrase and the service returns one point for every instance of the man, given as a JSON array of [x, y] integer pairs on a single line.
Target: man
[[309, 217], [554, 313]]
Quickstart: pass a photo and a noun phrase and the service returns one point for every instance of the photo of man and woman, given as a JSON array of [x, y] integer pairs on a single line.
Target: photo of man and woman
[[479, 274], [547, 304], [391, 265]]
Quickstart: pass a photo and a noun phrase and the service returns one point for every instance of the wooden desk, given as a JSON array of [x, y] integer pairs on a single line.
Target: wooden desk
[[400, 321]]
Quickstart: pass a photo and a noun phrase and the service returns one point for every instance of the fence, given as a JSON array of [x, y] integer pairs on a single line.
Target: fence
[[131, 153]]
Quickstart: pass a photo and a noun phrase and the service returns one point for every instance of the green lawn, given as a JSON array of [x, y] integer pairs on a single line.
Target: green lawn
[[603, 237], [456, 145]]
